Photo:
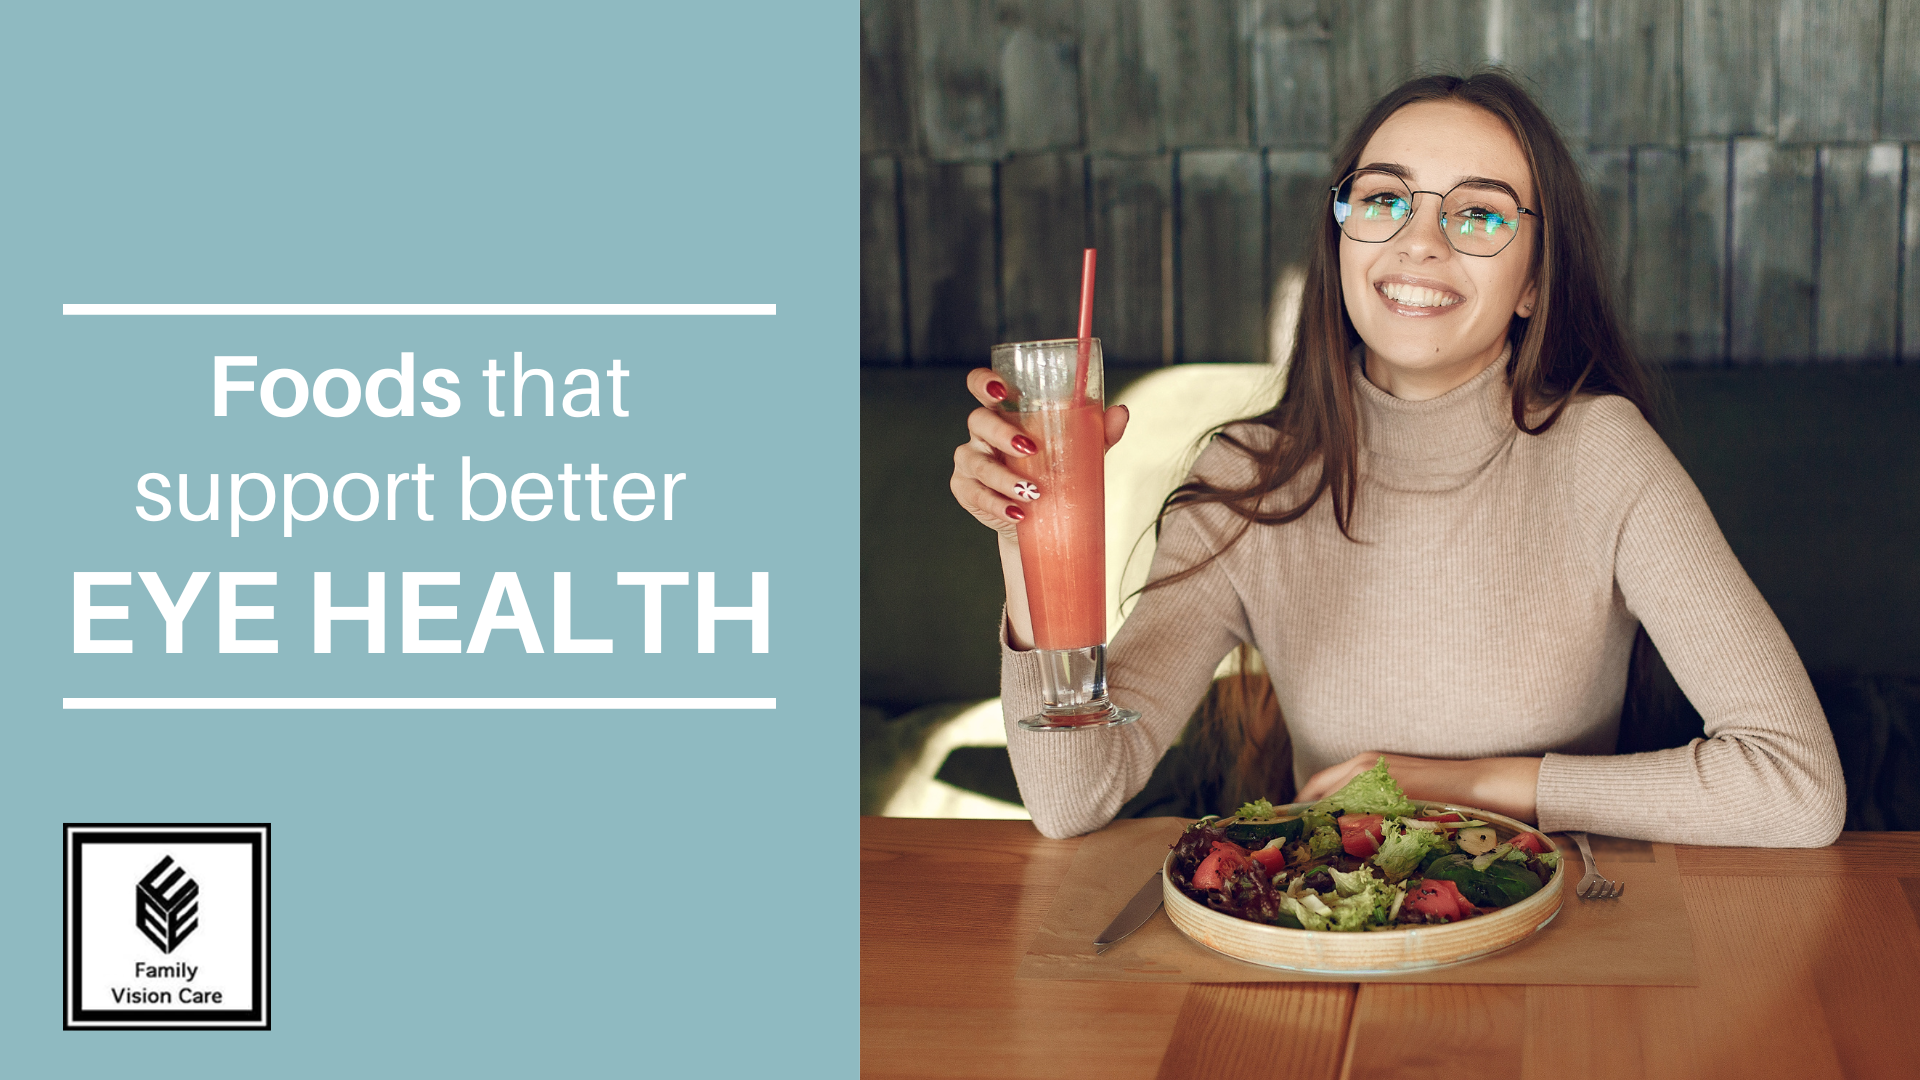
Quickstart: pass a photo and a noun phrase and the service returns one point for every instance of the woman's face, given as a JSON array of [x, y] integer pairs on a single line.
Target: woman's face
[[1431, 317]]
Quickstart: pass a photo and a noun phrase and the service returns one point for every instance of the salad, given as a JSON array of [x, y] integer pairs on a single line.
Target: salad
[[1364, 858]]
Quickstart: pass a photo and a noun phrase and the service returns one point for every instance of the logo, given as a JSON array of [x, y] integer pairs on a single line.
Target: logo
[[195, 953], [165, 910]]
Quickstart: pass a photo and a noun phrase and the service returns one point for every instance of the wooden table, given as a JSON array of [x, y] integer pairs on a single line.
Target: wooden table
[[1809, 967]]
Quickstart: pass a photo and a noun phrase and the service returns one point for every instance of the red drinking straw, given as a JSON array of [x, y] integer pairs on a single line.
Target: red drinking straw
[[1086, 327]]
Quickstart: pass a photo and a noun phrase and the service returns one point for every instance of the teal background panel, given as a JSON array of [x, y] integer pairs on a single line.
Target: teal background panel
[[454, 893]]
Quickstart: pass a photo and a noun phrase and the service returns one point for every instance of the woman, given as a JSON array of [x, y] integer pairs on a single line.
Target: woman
[[1445, 536]]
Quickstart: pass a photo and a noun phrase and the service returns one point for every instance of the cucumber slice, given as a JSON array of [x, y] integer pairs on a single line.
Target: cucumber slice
[[1476, 841], [1258, 832]]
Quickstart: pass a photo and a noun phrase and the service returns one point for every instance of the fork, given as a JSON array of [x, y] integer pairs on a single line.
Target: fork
[[1593, 886]]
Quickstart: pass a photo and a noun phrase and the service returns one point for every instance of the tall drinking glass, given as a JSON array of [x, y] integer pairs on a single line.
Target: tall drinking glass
[[1063, 540]]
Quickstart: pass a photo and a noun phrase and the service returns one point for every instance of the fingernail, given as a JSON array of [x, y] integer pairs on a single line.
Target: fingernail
[[1025, 445], [1026, 491], [996, 391], [1016, 513]]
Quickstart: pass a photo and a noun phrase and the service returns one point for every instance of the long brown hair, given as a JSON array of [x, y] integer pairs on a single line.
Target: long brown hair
[[1572, 343]]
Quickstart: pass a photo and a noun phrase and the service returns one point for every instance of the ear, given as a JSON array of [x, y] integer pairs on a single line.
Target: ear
[[1524, 308]]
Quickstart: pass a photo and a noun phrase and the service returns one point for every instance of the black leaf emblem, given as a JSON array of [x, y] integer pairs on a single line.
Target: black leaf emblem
[[167, 906]]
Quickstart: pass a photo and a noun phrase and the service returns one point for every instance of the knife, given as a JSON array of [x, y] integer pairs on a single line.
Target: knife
[[1133, 916]]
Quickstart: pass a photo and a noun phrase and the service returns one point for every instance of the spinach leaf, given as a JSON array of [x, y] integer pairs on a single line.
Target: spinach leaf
[[1499, 885], [1515, 880]]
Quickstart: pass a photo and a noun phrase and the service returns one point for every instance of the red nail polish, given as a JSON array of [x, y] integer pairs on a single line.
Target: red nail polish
[[1025, 445], [1016, 513], [996, 391]]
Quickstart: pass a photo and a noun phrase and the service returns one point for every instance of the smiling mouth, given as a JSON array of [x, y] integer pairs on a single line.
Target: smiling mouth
[[1416, 295]]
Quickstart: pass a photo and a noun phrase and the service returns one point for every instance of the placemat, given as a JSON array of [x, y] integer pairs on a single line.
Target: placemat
[[1641, 939]]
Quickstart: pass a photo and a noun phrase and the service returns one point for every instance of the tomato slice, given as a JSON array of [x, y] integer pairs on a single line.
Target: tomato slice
[[1438, 897], [1270, 858], [1449, 816], [1530, 843], [1213, 870], [1360, 834]]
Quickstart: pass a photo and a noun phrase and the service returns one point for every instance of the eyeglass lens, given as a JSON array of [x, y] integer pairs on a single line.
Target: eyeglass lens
[[1476, 219]]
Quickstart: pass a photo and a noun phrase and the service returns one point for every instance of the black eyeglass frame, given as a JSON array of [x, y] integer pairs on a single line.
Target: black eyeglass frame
[[1441, 209]]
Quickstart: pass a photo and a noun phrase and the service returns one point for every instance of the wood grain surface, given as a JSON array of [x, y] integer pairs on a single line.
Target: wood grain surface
[[1040, 74], [1263, 1029], [1859, 267], [957, 49], [1043, 209], [1194, 54], [1829, 55], [1299, 200], [883, 324], [1910, 270], [1636, 46], [886, 51], [1222, 262], [1773, 249], [1727, 57], [1132, 228], [953, 305], [1123, 99], [1809, 963], [1292, 42], [1900, 73], [1749, 157], [1609, 180]]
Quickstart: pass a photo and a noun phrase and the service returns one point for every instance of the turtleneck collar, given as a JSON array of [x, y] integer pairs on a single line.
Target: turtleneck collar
[[1453, 433]]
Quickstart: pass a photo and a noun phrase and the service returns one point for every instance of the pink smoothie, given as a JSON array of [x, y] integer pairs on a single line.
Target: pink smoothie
[[1063, 541]]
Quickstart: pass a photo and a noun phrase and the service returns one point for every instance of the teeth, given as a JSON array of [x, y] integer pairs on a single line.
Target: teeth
[[1416, 295]]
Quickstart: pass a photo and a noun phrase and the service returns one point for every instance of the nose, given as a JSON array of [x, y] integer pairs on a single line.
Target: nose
[[1424, 237]]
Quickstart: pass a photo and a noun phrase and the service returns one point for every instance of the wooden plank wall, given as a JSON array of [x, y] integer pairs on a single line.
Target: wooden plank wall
[[1752, 163]]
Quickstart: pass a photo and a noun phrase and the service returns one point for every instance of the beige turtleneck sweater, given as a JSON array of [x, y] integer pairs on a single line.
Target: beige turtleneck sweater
[[1488, 611]]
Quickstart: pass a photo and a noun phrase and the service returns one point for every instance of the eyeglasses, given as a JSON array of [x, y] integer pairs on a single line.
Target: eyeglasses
[[1476, 217]]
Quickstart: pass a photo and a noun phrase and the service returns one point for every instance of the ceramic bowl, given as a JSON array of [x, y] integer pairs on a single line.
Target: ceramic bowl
[[1375, 952]]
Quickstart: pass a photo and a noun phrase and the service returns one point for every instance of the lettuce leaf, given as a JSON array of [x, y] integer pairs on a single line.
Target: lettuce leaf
[[1309, 918], [1349, 884], [1259, 808], [1359, 901], [1352, 916], [1371, 906], [1401, 849], [1324, 841], [1372, 792]]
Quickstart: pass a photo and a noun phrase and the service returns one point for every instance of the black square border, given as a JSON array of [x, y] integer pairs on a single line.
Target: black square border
[[256, 835]]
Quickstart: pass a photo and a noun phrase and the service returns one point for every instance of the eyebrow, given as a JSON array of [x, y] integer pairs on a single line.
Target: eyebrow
[[1406, 174]]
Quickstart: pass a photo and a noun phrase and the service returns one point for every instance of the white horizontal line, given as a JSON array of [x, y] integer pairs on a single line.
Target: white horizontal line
[[417, 309], [416, 703]]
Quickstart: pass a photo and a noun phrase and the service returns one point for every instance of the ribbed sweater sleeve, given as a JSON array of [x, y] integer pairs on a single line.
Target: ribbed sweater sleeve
[[1159, 664], [1767, 774]]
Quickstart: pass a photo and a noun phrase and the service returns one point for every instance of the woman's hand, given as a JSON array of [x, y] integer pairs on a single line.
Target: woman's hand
[[996, 495], [982, 483], [1502, 785]]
